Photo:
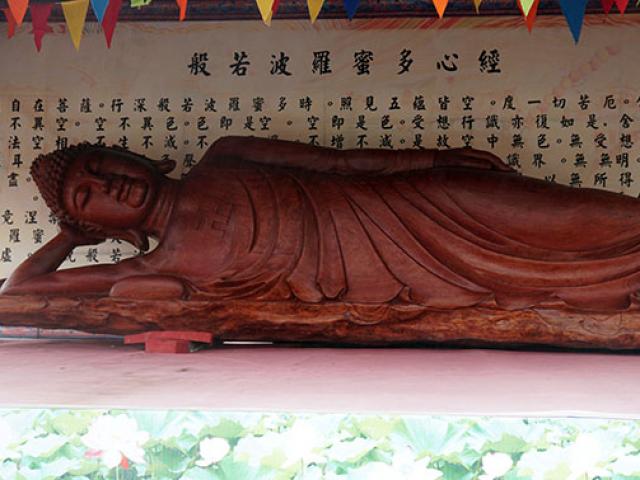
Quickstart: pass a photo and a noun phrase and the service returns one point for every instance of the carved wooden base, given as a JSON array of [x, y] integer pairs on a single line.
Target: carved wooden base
[[330, 323]]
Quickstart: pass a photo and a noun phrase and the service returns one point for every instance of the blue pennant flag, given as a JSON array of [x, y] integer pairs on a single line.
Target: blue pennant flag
[[351, 6], [574, 12], [99, 7]]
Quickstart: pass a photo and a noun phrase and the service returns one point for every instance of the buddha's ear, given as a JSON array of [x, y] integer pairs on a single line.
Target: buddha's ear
[[165, 166], [136, 238]]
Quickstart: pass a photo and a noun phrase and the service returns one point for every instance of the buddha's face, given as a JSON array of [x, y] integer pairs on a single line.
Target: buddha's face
[[111, 189]]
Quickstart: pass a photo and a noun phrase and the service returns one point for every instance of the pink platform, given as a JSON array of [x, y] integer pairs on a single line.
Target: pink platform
[[50, 373]]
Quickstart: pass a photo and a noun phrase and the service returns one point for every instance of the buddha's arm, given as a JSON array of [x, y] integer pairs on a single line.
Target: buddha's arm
[[46, 260], [345, 162], [38, 275], [89, 280]]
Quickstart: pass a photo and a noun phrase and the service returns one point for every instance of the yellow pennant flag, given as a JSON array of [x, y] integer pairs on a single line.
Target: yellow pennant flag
[[314, 8], [266, 10], [75, 13], [441, 5], [477, 3], [526, 6]]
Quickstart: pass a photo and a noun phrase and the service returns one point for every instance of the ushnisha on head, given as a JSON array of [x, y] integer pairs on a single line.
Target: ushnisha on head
[[106, 191]]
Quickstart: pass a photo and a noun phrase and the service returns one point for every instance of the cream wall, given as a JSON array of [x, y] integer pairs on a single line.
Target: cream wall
[[151, 61]]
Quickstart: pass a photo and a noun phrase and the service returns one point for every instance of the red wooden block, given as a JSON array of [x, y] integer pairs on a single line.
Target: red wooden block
[[169, 341]]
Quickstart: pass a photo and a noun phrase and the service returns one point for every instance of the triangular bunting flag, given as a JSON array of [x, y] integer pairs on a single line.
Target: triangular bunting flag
[[476, 3], [39, 15], [526, 6], [99, 7], [314, 9], [18, 9], [183, 8], [11, 22], [266, 10], [622, 5], [110, 19], [531, 18], [351, 6], [574, 10], [441, 5], [607, 5], [75, 14]]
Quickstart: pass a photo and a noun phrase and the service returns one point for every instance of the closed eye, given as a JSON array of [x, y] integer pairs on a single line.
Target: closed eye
[[81, 197]]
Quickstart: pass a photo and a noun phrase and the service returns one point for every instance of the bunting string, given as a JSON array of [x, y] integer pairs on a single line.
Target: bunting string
[[107, 12]]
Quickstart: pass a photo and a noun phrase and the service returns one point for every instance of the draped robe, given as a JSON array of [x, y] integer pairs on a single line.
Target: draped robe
[[441, 237]]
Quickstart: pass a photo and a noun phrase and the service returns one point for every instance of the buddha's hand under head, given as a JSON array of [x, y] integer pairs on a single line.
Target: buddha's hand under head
[[78, 237], [470, 158]]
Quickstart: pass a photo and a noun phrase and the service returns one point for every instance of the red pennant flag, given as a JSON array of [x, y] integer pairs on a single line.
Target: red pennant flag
[[531, 18], [274, 8], [11, 22], [18, 9], [607, 5], [183, 8], [110, 19], [622, 5], [39, 16]]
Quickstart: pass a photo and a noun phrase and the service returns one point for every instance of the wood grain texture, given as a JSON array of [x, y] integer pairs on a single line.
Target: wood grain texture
[[356, 324]]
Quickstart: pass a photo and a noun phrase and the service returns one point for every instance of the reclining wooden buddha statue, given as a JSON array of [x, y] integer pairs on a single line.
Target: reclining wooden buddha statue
[[277, 240]]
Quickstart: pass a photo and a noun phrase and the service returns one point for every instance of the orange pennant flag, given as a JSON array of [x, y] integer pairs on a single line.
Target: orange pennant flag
[[75, 14], [11, 22], [476, 3], [440, 5], [183, 8], [18, 9]]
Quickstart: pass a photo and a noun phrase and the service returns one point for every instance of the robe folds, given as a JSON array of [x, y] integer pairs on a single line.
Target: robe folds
[[443, 238]]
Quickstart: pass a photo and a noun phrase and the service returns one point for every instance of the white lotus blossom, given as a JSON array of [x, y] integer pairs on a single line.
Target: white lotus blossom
[[406, 466], [315, 472], [7, 437], [8, 470], [114, 439], [589, 456], [384, 471], [212, 450], [351, 450], [301, 443], [586, 457], [628, 465], [495, 465]]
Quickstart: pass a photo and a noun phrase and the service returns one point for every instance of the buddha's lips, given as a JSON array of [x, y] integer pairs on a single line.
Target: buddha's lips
[[129, 191]]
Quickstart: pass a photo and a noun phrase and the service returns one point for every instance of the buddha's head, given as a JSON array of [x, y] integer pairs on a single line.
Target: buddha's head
[[107, 191]]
